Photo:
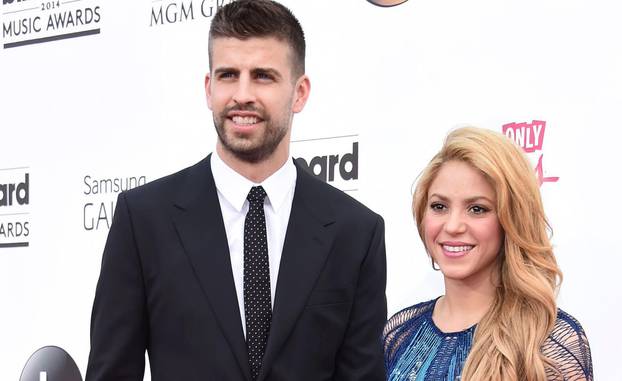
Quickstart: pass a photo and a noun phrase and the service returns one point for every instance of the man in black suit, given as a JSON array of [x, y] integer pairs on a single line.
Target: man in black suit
[[243, 266]]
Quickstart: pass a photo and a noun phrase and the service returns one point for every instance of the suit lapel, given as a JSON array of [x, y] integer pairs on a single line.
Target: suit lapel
[[305, 250], [199, 223]]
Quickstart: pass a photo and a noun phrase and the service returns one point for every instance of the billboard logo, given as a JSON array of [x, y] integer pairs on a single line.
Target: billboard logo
[[324, 167], [14, 207], [334, 160], [530, 136], [15, 193], [27, 23]]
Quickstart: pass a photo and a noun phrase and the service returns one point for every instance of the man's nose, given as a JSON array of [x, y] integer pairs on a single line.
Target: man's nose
[[244, 93]]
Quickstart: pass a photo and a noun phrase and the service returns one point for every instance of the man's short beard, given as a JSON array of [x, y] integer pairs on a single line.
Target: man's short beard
[[268, 144]]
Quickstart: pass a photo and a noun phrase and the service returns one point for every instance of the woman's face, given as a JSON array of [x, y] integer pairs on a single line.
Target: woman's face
[[461, 229]]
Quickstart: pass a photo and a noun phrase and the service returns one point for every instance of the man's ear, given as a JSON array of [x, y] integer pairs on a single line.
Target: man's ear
[[208, 91], [303, 88]]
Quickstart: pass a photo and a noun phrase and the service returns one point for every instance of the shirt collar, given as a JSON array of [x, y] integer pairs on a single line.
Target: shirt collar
[[235, 187]]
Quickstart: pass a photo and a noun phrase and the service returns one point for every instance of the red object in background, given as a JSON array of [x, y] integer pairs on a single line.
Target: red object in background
[[530, 136]]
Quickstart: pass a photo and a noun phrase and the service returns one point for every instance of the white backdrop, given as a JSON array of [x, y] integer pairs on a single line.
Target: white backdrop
[[127, 102]]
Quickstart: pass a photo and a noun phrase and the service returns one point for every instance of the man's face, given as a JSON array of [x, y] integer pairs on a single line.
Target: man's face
[[253, 96]]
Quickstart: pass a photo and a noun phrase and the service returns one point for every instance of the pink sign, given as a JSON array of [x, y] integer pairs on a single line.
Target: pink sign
[[530, 136]]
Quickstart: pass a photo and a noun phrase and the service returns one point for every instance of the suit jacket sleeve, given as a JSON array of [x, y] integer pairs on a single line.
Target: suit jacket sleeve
[[361, 357], [119, 327]]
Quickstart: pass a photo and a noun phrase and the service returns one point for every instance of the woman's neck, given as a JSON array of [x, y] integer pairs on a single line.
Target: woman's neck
[[464, 304]]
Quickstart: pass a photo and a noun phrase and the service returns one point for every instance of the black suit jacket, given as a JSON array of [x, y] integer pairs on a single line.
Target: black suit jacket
[[166, 286]]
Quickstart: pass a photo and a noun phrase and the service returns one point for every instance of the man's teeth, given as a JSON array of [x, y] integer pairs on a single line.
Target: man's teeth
[[457, 249], [245, 119]]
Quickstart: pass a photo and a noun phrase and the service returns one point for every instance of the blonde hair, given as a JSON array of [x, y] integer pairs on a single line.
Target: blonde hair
[[508, 339]]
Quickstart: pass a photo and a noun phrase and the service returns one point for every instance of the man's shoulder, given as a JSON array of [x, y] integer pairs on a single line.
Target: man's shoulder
[[170, 186]]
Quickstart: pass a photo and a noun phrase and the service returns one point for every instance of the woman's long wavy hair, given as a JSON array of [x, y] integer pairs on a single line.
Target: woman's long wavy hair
[[507, 341]]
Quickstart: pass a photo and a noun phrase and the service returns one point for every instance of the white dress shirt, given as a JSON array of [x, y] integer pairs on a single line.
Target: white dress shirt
[[232, 191]]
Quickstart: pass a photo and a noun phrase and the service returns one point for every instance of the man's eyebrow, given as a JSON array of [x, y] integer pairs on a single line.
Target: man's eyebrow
[[267, 70], [221, 70]]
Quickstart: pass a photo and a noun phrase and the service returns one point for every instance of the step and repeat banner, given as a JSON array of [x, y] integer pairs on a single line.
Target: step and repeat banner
[[97, 97]]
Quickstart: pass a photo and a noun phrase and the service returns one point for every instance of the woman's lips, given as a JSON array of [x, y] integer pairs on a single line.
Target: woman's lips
[[456, 250]]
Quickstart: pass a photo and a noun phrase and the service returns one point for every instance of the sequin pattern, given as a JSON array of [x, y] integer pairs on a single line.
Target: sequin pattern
[[416, 350]]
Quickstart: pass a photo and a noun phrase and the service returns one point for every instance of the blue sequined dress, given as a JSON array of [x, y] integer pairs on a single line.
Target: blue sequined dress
[[416, 350]]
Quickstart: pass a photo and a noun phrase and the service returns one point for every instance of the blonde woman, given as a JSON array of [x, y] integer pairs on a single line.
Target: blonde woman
[[479, 213]]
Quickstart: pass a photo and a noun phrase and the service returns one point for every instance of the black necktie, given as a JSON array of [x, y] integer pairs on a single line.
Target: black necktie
[[257, 307]]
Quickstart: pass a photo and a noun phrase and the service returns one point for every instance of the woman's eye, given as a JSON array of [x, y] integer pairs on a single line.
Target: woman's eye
[[437, 207], [477, 209]]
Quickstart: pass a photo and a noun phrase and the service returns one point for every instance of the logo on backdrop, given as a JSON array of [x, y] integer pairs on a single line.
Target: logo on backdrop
[[27, 22], [101, 196], [50, 363], [387, 3], [14, 207], [173, 11], [334, 160], [530, 136]]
